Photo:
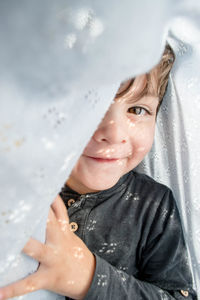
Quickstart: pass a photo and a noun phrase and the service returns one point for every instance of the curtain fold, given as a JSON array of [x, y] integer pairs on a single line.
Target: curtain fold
[[61, 64]]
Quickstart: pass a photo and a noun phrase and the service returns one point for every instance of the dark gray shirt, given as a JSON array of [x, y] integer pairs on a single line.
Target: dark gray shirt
[[135, 233]]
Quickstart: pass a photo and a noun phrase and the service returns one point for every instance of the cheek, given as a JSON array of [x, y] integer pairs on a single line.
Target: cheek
[[78, 167], [143, 149], [142, 141]]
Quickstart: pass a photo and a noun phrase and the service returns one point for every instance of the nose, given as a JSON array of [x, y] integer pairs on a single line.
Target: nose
[[111, 130]]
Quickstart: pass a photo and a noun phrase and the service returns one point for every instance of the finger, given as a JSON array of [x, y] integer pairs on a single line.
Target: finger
[[51, 220], [37, 250], [59, 209], [52, 226], [29, 284]]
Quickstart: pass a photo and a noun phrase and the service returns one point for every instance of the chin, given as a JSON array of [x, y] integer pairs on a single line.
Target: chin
[[101, 185], [88, 181]]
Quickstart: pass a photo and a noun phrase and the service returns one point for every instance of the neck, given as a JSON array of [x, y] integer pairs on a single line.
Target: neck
[[79, 187]]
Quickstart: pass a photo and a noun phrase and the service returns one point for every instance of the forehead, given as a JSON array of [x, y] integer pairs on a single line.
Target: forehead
[[134, 84], [137, 88]]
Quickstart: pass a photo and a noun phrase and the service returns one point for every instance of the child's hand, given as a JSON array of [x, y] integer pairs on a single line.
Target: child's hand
[[66, 264]]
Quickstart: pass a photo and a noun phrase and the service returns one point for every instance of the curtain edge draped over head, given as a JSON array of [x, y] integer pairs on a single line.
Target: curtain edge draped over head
[[59, 69]]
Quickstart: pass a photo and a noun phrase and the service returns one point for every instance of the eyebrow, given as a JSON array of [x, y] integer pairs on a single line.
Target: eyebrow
[[135, 98]]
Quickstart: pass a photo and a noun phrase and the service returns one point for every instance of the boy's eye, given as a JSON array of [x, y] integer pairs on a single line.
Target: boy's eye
[[137, 110]]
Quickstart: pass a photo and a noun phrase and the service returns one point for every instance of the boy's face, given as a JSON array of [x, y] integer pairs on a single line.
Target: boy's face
[[119, 144]]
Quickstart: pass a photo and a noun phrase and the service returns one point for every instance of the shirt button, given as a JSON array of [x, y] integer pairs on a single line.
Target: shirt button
[[73, 226], [184, 293], [70, 202]]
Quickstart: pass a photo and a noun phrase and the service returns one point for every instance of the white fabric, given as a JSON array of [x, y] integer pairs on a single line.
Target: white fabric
[[61, 63], [175, 158]]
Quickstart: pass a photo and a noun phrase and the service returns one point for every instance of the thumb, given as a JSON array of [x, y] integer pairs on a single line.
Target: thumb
[[60, 210]]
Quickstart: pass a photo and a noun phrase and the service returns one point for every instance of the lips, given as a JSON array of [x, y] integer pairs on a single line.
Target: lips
[[105, 159], [102, 159]]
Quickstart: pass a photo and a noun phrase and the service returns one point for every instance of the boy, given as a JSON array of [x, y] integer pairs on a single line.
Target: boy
[[130, 223]]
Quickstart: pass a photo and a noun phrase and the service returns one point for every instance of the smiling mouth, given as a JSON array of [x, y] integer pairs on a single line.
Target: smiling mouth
[[103, 160]]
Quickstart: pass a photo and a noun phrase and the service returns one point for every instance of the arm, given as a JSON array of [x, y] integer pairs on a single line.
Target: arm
[[66, 264], [67, 267], [110, 283], [163, 263]]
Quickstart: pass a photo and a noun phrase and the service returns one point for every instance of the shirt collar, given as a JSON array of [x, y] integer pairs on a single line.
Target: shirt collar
[[67, 192]]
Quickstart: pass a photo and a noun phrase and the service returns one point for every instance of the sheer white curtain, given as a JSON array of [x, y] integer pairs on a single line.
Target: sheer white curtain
[[175, 157], [61, 64]]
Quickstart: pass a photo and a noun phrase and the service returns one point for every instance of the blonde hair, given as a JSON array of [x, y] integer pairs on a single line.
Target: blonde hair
[[154, 82]]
